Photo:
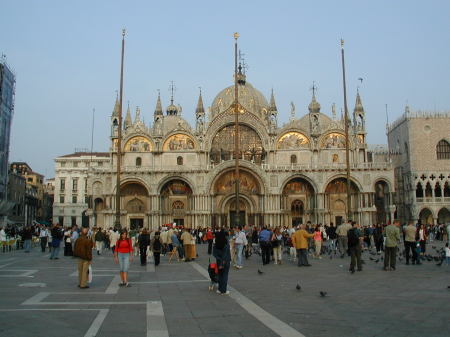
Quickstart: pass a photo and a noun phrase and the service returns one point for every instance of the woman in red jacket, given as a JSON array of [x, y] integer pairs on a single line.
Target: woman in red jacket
[[123, 254]]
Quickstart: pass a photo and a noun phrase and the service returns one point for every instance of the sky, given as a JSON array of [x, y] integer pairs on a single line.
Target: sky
[[66, 57]]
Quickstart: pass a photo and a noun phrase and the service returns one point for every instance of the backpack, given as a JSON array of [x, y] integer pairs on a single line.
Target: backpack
[[353, 239]]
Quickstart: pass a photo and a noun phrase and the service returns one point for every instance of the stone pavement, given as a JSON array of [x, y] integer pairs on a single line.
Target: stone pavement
[[39, 297]]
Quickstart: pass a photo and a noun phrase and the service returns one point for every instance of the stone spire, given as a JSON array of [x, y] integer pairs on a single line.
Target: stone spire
[[128, 121], [200, 109], [158, 109], [358, 105], [116, 107], [272, 105]]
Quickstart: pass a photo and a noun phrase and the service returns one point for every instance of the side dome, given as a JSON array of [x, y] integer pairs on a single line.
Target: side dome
[[249, 97]]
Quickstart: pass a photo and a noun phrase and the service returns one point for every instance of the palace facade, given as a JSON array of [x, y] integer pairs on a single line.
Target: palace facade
[[290, 174]]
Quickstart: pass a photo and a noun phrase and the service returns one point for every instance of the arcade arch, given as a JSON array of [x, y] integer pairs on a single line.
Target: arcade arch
[[298, 201], [336, 200]]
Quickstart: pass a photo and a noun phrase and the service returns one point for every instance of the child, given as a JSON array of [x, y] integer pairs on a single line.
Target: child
[[213, 272]]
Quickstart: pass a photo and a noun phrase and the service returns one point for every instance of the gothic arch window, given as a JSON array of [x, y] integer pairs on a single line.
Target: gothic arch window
[[179, 160], [293, 159], [428, 190], [419, 191], [443, 149], [437, 190], [138, 161]]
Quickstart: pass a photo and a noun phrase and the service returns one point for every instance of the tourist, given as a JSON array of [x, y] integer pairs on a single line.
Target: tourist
[[277, 245], [113, 237], [57, 237], [378, 238], [264, 242], [27, 236], [177, 245], [83, 250], [410, 243], [210, 239], [163, 236], [99, 239], [144, 243], [186, 239], [43, 237], [123, 254], [74, 236], [392, 234], [3, 239], [67, 243], [300, 242], [354, 237], [341, 232], [240, 240], [221, 252], [422, 238], [317, 242], [156, 246], [331, 233]]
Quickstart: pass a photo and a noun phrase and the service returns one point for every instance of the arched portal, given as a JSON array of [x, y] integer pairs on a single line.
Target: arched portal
[[135, 201], [176, 198], [444, 216], [426, 217], [99, 206], [224, 201], [382, 202], [336, 200], [298, 200]]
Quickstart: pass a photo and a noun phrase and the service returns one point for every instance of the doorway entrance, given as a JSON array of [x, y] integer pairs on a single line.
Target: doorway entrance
[[297, 221], [179, 222], [237, 220], [136, 223], [338, 220]]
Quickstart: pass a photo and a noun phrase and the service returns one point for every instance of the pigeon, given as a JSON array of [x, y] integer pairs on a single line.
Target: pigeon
[[436, 258], [377, 260], [448, 287], [331, 257], [439, 264], [434, 247], [371, 259], [381, 258], [298, 287], [260, 272], [372, 253], [323, 293]]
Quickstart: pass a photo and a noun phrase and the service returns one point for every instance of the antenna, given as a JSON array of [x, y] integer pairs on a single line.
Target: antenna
[[387, 116]]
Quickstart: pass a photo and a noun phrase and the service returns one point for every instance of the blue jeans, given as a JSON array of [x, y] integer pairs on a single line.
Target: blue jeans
[[223, 277], [124, 261], [55, 252], [27, 245], [239, 249]]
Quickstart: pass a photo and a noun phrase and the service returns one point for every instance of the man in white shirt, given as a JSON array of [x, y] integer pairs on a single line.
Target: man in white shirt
[[3, 238], [43, 236], [239, 243]]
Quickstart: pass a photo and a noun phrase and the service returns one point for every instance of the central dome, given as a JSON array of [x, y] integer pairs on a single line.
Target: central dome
[[249, 97]]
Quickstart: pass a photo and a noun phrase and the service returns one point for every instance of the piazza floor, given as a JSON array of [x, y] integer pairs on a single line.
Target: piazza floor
[[39, 297]]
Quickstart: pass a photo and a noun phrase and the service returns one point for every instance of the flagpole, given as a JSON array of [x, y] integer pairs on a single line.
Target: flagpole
[[347, 142], [117, 224], [236, 130]]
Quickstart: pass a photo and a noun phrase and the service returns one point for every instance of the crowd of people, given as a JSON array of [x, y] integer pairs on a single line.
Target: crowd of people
[[231, 246]]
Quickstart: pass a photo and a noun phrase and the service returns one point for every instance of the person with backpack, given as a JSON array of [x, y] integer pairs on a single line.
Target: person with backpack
[[354, 238], [221, 251], [156, 247], [57, 237]]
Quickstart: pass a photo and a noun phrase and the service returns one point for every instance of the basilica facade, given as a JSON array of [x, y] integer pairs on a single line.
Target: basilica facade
[[173, 172]]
